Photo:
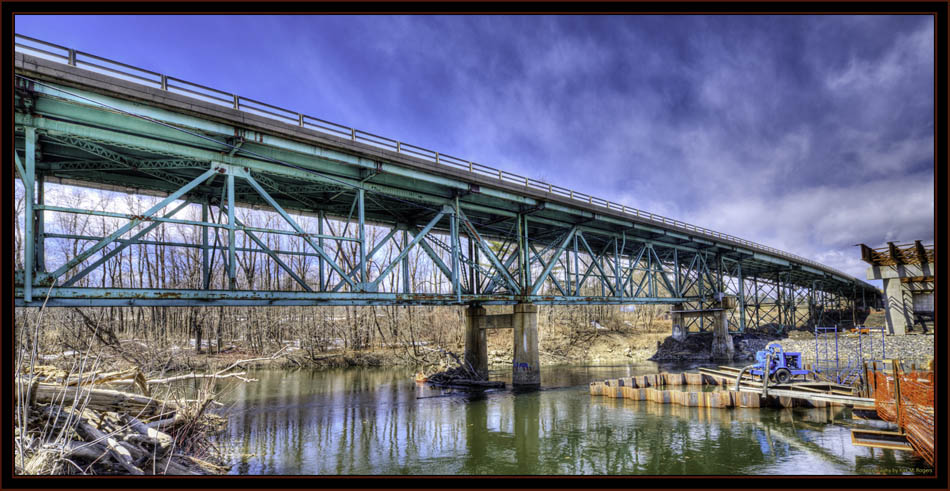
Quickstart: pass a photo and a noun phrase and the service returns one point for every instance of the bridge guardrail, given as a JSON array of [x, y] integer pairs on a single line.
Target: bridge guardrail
[[131, 73]]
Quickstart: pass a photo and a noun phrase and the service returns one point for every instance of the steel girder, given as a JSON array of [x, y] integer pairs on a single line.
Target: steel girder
[[458, 244]]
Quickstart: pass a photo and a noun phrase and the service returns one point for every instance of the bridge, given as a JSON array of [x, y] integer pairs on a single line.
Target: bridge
[[341, 216]]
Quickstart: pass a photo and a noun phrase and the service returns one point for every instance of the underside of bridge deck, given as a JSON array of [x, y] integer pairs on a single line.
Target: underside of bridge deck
[[246, 205]]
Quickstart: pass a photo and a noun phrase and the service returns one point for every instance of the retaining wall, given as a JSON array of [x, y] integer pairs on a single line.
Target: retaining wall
[[653, 388]]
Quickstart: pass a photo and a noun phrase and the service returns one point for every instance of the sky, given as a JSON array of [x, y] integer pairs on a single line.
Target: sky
[[810, 134]]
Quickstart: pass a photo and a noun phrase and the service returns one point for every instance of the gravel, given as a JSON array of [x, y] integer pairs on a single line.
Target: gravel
[[912, 348]]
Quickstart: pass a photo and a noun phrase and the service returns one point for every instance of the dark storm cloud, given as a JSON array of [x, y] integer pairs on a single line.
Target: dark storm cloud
[[807, 133]]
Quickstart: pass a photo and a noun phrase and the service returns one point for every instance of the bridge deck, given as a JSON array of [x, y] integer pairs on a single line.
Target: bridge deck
[[99, 130]]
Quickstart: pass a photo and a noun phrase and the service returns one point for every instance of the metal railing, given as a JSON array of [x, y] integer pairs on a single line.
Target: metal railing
[[131, 73]]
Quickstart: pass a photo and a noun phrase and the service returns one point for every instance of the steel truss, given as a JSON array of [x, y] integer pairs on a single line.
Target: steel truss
[[271, 223]]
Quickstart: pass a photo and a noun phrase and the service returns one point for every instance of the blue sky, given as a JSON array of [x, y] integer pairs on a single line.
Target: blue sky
[[806, 133]]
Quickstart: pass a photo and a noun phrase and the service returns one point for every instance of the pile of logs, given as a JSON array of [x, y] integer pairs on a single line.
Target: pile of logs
[[462, 377], [74, 426]]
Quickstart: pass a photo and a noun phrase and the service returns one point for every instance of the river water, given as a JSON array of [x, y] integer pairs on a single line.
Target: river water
[[379, 421]]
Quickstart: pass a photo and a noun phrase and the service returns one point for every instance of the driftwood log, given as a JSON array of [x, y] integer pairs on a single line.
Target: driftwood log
[[107, 442], [462, 378], [101, 400]]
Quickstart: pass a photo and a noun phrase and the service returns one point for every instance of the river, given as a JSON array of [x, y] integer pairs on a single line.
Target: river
[[379, 421]]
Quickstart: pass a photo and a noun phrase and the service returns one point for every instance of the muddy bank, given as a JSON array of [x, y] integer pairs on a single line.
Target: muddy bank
[[696, 347]]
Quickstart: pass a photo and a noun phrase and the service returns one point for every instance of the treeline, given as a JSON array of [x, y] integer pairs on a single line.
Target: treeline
[[150, 262]]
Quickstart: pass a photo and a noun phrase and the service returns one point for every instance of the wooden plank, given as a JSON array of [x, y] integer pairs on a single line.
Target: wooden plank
[[881, 439], [813, 396]]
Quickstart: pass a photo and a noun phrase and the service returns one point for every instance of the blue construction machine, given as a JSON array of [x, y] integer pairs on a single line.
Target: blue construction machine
[[781, 366]]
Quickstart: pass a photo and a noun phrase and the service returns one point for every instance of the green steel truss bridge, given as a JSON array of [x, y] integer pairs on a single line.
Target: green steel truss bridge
[[341, 216]]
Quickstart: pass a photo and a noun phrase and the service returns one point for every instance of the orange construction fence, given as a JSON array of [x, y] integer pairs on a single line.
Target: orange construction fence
[[915, 414]]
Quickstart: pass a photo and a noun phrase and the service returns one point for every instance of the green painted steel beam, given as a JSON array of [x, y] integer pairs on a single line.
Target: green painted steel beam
[[329, 167], [122, 244], [333, 265], [132, 223], [128, 296], [242, 161], [294, 146]]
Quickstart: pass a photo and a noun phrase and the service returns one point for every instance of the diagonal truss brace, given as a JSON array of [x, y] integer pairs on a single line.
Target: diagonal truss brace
[[419, 237], [134, 222], [489, 253], [319, 250], [122, 245], [547, 268]]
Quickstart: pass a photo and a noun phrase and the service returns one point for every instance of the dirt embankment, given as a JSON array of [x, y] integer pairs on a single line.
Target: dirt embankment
[[558, 346], [696, 347]]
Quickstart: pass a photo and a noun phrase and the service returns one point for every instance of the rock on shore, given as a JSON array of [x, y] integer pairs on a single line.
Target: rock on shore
[[696, 347]]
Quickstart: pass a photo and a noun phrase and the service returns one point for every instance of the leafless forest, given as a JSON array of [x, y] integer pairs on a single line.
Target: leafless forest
[[149, 332]]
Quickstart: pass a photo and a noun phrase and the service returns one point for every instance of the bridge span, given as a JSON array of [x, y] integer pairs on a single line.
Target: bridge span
[[340, 216]]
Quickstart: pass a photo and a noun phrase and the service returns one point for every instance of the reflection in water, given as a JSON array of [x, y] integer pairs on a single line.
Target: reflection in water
[[360, 421]]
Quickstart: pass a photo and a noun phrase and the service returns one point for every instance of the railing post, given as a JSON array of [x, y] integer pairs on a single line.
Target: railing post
[[72, 58], [353, 134], [300, 118], [164, 82], [237, 104]]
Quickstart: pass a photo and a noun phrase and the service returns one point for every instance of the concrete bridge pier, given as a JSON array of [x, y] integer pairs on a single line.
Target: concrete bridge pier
[[722, 348], [476, 342], [679, 328], [526, 369]]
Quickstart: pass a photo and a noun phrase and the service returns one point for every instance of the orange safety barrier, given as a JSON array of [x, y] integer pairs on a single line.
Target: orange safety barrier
[[915, 416]]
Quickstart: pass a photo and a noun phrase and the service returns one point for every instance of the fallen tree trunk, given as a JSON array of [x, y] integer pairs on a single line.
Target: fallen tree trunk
[[101, 400], [118, 452]]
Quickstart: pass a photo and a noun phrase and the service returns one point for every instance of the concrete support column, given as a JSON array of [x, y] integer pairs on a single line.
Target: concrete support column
[[679, 326], [476, 343], [900, 306], [722, 347], [526, 370]]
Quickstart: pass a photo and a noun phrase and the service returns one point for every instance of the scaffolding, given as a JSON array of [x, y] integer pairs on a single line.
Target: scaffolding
[[829, 365]]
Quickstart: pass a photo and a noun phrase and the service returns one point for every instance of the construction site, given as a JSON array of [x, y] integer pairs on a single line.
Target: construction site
[[845, 367], [358, 260]]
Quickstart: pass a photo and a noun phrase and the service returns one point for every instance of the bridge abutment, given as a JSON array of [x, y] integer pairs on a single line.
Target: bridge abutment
[[476, 342], [526, 369]]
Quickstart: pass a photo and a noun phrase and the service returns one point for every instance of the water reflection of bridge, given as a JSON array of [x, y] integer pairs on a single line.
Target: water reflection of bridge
[[358, 422]]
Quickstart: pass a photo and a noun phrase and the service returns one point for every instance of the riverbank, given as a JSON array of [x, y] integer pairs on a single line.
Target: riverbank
[[913, 348]]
